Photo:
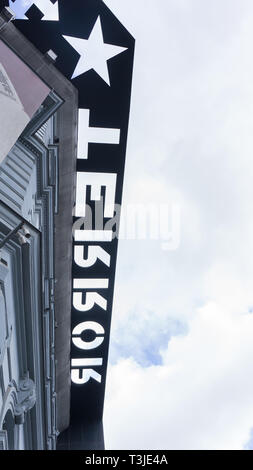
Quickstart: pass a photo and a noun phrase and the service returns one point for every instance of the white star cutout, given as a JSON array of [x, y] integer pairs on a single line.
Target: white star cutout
[[94, 52]]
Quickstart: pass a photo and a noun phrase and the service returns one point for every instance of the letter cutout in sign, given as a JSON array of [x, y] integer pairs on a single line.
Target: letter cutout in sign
[[93, 235], [95, 135], [92, 298], [95, 253], [86, 375], [87, 326], [91, 283], [96, 181], [81, 376]]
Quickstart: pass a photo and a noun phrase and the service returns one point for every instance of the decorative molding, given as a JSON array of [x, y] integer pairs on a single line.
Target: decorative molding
[[3, 440], [3, 321], [26, 396], [9, 401]]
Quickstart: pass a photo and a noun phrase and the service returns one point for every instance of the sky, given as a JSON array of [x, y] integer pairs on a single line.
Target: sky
[[181, 369], [181, 355]]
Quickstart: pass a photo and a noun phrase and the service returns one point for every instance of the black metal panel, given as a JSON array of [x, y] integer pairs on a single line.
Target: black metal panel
[[109, 108], [82, 435]]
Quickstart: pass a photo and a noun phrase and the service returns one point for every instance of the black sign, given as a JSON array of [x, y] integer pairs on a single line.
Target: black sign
[[95, 52]]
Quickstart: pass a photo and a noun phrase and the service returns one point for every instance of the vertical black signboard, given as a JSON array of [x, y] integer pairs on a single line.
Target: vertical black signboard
[[95, 52]]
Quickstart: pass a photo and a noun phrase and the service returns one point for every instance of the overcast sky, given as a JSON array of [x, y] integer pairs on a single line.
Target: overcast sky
[[181, 357], [181, 361]]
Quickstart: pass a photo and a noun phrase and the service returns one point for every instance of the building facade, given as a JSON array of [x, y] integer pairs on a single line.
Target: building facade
[[36, 203]]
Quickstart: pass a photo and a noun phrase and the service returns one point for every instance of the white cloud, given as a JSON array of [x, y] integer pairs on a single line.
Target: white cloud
[[200, 398], [190, 142], [141, 337]]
